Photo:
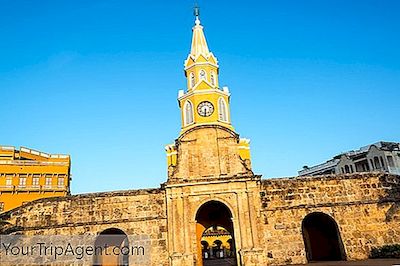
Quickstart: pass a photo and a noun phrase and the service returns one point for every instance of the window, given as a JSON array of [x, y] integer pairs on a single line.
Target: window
[[365, 166], [1, 206], [372, 164], [376, 163], [212, 78], [390, 161], [347, 169], [192, 80], [202, 74], [22, 181], [48, 181], [60, 182], [188, 113], [222, 110], [382, 163], [9, 181], [35, 181]]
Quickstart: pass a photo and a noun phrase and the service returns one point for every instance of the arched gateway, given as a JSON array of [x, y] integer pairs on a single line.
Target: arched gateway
[[322, 238], [215, 235]]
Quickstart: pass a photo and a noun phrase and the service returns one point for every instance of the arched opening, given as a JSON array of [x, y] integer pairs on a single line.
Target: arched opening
[[212, 79], [192, 80], [110, 247], [215, 235], [202, 75], [322, 238], [222, 110], [347, 169], [188, 113]]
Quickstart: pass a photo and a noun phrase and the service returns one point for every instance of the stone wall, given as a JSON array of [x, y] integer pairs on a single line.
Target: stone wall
[[135, 212], [366, 208], [208, 152], [266, 215]]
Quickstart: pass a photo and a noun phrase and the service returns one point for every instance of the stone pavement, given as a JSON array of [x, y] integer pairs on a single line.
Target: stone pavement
[[374, 262]]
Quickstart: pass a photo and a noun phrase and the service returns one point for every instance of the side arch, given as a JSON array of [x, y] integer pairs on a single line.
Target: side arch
[[322, 238], [108, 243]]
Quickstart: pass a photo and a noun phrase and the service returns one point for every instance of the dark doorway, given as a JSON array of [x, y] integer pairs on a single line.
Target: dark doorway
[[322, 238], [105, 245], [215, 235]]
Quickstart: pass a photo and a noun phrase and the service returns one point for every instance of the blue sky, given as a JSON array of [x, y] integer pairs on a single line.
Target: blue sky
[[99, 79]]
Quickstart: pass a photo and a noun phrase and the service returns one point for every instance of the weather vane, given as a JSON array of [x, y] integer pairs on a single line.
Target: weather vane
[[196, 10]]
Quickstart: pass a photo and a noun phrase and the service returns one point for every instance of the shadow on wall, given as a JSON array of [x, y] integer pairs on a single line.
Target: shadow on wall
[[6, 228], [386, 252]]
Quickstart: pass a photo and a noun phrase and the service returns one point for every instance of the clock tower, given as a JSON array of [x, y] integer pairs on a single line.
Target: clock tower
[[207, 145], [204, 102]]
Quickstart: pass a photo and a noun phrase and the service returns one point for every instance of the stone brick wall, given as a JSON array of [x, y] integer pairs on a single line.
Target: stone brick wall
[[267, 215], [136, 212], [366, 208]]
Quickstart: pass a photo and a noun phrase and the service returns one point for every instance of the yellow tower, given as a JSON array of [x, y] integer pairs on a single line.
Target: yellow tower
[[207, 144], [204, 102]]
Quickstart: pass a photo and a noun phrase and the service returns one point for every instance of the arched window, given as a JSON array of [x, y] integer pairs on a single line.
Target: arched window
[[202, 74], [188, 113], [212, 78], [347, 169], [192, 80], [222, 110]]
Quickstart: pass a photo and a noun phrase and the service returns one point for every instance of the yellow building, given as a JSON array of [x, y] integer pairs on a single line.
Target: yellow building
[[217, 242], [27, 175]]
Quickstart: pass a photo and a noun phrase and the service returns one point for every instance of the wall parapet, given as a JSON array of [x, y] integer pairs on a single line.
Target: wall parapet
[[329, 190]]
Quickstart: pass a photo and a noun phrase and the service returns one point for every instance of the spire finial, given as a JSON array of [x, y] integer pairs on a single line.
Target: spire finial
[[196, 12]]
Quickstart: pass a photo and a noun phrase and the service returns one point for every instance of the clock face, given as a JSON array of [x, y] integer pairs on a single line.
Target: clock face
[[205, 108]]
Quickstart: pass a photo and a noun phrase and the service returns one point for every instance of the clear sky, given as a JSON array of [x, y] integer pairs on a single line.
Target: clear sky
[[99, 79]]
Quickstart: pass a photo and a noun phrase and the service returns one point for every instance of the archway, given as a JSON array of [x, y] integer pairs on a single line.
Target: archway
[[322, 238], [112, 248], [215, 235]]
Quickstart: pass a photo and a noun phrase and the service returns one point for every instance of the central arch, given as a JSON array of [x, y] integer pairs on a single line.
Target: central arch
[[322, 238], [215, 235]]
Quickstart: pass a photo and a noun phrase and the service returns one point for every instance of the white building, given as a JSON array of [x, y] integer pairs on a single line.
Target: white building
[[380, 156]]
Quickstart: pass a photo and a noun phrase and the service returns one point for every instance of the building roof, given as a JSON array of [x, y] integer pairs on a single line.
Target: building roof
[[199, 43], [382, 145], [10, 154], [320, 167]]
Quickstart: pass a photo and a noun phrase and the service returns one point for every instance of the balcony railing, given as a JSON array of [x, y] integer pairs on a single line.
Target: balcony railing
[[23, 162], [32, 188]]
